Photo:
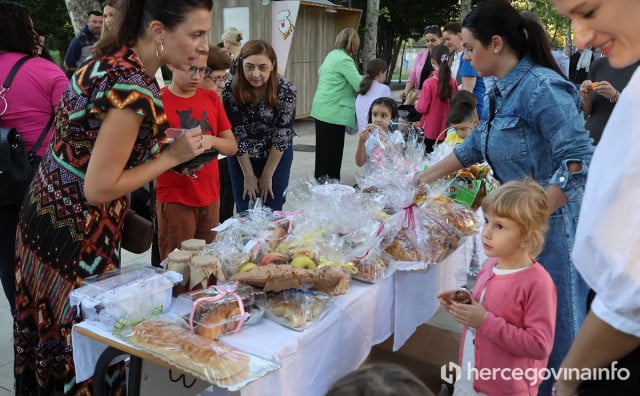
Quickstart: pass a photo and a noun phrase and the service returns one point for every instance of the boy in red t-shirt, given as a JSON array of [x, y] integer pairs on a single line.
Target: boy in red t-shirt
[[189, 202]]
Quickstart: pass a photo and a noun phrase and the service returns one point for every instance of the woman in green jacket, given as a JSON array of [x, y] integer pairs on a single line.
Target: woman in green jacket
[[334, 104]]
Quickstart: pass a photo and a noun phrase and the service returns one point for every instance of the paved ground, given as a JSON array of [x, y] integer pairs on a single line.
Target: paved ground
[[303, 166]]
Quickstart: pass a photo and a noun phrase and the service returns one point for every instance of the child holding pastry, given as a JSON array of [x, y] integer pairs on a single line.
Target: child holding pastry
[[509, 319], [377, 135]]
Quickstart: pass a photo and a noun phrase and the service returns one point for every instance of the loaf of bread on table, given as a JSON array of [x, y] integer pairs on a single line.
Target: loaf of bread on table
[[273, 277], [170, 341]]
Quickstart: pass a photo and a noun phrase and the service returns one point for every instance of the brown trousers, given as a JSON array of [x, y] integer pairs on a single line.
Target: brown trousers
[[177, 222]]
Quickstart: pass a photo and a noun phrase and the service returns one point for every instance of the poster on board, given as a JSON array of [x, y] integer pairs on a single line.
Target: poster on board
[[283, 24]]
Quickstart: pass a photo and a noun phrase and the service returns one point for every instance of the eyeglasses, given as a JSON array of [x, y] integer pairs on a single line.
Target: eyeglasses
[[203, 71], [250, 67], [217, 79], [430, 27]]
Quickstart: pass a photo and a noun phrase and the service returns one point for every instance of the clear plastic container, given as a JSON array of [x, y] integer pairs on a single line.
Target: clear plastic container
[[297, 309], [221, 309], [123, 298]]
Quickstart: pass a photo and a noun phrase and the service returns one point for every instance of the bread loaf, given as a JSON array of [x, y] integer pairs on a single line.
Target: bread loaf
[[211, 360]]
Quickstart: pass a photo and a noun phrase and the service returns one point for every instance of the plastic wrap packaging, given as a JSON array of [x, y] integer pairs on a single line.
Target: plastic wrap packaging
[[123, 298], [230, 255], [454, 214], [246, 239], [206, 359], [415, 237], [222, 309], [374, 266], [297, 310], [422, 240]]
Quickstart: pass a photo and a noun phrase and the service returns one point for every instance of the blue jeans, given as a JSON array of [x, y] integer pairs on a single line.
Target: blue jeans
[[572, 289], [279, 182]]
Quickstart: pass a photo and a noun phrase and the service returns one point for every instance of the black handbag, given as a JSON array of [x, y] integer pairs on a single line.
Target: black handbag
[[137, 230], [16, 164]]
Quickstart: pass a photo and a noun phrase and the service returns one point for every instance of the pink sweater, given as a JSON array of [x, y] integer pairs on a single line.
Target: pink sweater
[[518, 329], [416, 70], [434, 110], [35, 91]]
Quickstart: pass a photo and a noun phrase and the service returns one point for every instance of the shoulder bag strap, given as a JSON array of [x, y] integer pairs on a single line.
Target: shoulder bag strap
[[5, 88], [43, 134], [14, 70], [9, 79]]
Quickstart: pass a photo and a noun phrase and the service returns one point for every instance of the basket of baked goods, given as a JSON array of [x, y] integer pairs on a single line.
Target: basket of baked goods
[[220, 309], [297, 309], [469, 186], [202, 357], [125, 297]]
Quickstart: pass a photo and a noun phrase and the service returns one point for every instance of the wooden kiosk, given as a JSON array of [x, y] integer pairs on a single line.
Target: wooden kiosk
[[301, 32]]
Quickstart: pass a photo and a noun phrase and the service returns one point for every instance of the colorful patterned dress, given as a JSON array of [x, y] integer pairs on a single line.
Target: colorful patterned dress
[[61, 238]]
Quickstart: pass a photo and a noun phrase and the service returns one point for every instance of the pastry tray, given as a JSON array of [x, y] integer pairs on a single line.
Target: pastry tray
[[257, 366]]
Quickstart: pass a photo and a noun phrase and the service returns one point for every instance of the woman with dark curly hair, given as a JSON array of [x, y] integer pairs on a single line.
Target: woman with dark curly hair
[[28, 105]]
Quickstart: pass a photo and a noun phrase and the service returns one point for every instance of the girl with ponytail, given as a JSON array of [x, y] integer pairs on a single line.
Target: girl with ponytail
[[372, 87], [530, 126], [435, 97]]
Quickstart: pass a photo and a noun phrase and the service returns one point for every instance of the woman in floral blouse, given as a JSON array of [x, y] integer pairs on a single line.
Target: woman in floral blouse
[[261, 106]]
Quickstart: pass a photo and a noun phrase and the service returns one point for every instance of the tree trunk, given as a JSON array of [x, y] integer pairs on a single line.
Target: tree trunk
[[465, 8], [370, 31], [78, 12], [568, 43]]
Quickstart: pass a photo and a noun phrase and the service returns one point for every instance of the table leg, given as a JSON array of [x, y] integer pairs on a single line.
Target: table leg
[[104, 361]]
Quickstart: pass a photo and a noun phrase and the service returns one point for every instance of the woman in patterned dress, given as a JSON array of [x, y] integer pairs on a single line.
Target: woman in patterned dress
[[108, 142]]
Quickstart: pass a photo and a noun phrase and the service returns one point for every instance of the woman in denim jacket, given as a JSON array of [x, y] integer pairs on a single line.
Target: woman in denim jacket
[[537, 131]]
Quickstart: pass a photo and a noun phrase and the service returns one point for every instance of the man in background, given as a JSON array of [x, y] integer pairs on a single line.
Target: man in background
[[80, 46]]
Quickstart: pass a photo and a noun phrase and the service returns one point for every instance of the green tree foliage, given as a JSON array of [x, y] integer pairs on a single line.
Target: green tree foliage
[[51, 18], [401, 20]]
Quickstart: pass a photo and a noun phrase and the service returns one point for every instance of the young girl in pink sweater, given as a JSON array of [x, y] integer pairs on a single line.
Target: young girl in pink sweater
[[509, 320], [435, 96]]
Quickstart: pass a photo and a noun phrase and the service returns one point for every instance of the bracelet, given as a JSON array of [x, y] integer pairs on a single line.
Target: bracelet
[[615, 97]]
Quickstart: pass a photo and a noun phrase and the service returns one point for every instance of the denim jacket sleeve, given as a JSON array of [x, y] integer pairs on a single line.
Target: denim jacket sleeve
[[555, 111], [468, 152]]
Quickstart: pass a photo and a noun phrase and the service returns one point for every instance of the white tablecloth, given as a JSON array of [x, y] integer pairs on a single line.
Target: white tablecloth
[[314, 359]]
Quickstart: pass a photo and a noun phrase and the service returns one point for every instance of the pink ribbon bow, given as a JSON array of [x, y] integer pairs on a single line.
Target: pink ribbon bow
[[222, 292], [409, 221], [289, 215]]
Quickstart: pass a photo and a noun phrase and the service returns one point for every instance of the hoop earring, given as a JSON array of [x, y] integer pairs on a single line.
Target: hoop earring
[[160, 53]]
